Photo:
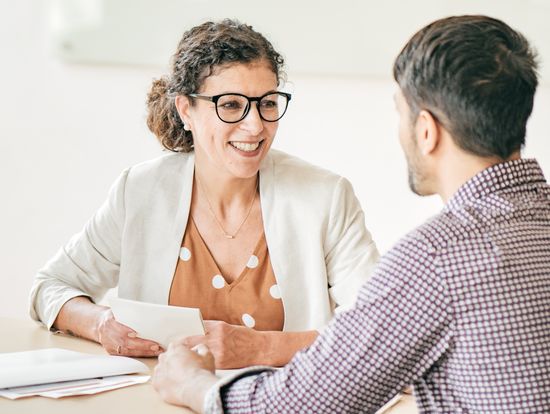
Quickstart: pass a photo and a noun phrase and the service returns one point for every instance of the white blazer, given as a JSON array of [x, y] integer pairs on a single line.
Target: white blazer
[[320, 250]]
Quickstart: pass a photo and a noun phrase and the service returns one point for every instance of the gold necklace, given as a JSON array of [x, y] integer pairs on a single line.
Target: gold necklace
[[226, 234]]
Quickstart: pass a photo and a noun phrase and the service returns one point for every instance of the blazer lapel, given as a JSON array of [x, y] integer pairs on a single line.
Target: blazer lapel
[[277, 237]]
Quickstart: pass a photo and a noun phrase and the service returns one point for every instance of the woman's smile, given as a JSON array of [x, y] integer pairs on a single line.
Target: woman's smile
[[247, 148]]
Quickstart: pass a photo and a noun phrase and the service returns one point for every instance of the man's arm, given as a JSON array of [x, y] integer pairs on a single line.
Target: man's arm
[[398, 328]]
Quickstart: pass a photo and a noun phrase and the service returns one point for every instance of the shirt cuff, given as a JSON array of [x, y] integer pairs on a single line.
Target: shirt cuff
[[213, 402]]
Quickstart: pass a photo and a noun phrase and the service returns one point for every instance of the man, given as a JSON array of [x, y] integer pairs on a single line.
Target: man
[[460, 307]]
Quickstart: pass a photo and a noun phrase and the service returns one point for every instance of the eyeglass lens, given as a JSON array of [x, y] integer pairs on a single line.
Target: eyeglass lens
[[233, 108]]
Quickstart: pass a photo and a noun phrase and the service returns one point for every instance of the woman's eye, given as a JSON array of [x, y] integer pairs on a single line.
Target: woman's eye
[[268, 104], [231, 105]]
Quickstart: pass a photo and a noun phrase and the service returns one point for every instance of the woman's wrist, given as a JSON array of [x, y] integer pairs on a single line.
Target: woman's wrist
[[81, 317], [102, 314], [279, 347]]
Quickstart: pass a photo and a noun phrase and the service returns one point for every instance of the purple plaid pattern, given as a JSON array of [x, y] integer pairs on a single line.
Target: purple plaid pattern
[[460, 308]]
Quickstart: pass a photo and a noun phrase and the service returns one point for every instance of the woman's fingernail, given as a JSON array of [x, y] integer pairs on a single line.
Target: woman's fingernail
[[132, 335], [154, 348]]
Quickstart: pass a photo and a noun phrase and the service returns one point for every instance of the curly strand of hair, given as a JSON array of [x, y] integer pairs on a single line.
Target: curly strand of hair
[[163, 119]]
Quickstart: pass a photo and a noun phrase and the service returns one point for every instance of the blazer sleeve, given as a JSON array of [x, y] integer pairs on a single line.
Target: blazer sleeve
[[88, 265], [351, 253]]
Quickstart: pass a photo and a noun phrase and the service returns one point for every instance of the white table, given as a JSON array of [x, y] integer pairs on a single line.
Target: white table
[[26, 335]]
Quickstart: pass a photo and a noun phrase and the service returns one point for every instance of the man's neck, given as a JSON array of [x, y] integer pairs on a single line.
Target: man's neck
[[459, 167]]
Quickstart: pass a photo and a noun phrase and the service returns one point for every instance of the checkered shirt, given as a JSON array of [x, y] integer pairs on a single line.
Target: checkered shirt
[[460, 308]]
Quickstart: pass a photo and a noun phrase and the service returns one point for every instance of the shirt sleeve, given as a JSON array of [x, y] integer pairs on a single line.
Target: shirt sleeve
[[399, 327], [88, 265], [351, 253]]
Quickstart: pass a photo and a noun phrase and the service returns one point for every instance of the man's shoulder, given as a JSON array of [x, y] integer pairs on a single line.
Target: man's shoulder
[[431, 237], [443, 229]]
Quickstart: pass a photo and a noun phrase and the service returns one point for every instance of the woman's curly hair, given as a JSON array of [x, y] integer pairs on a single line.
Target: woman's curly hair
[[200, 51]]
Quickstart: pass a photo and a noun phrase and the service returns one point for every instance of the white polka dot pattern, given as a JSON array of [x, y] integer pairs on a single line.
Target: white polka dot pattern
[[275, 292], [218, 281], [248, 320], [460, 307], [185, 254], [252, 262]]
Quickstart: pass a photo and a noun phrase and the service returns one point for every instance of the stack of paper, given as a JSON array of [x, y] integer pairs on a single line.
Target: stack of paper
[[54, 367], [69, 388]]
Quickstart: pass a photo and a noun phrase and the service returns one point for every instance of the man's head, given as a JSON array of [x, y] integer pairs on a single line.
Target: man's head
[[476, 78]]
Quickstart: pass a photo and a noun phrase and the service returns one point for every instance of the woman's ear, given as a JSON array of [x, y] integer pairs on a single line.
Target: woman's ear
[[183, 105], [428, 134]]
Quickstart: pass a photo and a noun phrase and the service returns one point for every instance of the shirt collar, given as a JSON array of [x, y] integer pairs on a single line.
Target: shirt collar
[[498, 177]]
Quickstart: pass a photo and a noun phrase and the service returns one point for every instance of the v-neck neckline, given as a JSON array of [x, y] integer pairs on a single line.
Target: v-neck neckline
[[243, 272]]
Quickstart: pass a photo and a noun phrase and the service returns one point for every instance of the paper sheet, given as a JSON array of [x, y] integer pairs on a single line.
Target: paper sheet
[[69, 388], [43, 366], [389, 404], [159, 323]]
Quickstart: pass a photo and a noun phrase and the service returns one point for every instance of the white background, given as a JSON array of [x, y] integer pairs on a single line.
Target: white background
[[67, 130]]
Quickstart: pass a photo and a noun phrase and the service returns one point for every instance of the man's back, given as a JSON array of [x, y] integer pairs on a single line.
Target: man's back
[[491, 249], [460, 307]]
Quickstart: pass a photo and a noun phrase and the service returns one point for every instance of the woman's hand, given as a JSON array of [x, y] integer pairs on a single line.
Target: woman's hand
[[183, 377], [118, 339], [236, 346], [233, 346], [81, 317]]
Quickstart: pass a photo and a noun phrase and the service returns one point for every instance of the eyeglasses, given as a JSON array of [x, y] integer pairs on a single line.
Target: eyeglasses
[[234, 107]]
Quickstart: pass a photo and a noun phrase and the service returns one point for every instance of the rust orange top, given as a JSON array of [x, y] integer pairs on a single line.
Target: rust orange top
[[252, 299]]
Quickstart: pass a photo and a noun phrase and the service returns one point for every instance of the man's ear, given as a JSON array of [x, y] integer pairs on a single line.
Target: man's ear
[[428, 134], [183, 105]]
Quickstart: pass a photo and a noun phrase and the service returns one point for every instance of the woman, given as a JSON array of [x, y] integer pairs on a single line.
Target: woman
[[264, 244]]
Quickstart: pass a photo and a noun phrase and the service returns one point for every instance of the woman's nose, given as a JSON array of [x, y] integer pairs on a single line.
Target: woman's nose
[[252, 122]]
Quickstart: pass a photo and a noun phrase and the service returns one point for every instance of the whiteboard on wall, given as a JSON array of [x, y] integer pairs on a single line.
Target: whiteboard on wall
[[319, 37]]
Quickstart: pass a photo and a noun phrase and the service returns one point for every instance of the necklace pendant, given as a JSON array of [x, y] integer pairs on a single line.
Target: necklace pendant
[[225, 234]]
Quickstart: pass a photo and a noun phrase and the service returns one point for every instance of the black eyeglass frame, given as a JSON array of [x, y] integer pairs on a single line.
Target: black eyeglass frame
[[256, 99]]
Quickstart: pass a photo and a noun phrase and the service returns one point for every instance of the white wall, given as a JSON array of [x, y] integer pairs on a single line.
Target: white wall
[[66, 131]]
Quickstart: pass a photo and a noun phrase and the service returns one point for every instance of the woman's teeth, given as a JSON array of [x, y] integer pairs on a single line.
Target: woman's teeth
[[245, 146]]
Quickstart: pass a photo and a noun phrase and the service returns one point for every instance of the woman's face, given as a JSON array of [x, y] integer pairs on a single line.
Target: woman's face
[[234, 149]]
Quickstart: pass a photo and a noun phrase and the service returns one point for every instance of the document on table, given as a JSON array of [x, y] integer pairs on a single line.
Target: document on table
[[389, 404], [78, 387], [54, 365], [159, 323]]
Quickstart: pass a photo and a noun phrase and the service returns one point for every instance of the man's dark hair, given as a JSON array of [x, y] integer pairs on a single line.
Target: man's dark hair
[[477, 76]]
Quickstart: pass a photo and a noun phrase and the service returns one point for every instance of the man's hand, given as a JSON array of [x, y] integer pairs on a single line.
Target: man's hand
[[183, 376], [233, 346]]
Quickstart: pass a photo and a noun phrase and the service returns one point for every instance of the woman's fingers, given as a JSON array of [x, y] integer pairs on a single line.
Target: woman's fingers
[[119, 339], [192, 341], [141, 347], [136, 347]]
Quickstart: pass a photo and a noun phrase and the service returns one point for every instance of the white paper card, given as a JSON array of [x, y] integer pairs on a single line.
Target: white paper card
[[389, 404], [159, 323], [43, 366], [79, 387]]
